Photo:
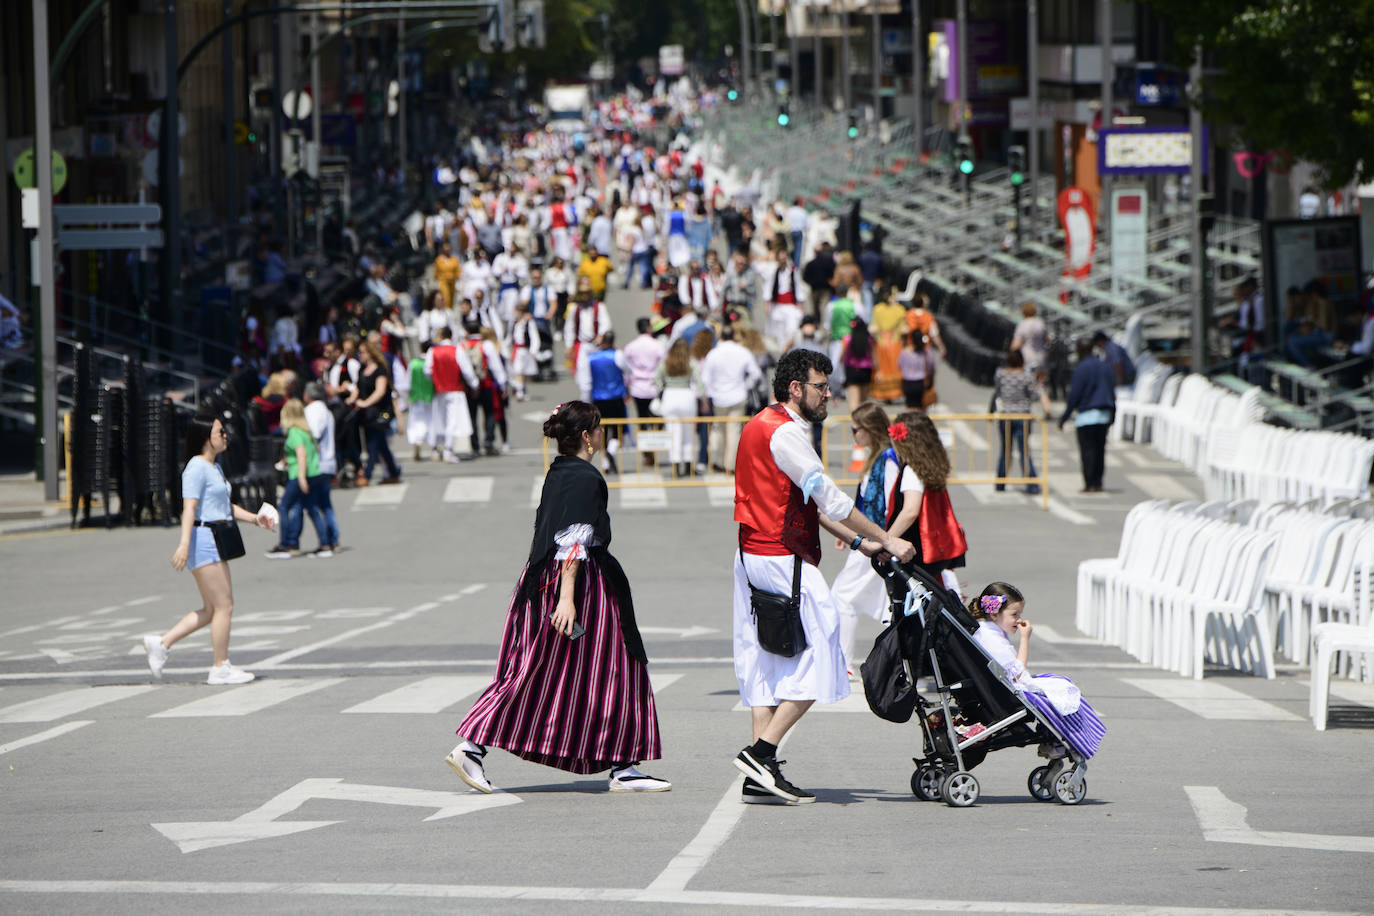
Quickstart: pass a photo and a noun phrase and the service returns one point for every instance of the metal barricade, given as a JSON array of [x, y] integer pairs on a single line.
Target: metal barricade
[[973, 441]]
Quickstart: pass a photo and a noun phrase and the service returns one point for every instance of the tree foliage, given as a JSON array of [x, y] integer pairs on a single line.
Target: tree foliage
[[1295, 75]]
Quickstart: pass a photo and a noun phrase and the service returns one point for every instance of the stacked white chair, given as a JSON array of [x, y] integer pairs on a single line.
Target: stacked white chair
[[1144, 413], [1140, 402], [1353, 639]]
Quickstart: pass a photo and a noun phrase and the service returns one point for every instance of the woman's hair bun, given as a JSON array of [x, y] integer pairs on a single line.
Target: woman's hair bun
[[568, 422]]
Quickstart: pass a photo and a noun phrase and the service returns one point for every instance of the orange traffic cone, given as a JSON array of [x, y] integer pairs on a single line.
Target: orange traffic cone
[[856, 459]]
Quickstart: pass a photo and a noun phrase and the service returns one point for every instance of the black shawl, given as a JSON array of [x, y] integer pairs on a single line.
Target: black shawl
[[575, 493]]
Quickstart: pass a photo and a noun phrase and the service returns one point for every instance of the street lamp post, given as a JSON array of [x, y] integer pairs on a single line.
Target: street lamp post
[[918, 82], [45, 398], [1033, 87], [877, 64]]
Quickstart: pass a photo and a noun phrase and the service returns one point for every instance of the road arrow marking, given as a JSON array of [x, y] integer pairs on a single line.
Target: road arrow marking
[[1224, 821], [683, 632], [261, 824]]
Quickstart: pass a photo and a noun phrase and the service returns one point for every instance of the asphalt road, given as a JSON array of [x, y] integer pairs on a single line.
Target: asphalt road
[[321, 787]]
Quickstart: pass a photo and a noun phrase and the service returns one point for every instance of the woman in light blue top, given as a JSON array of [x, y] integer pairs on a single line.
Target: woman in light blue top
[[205, 501]]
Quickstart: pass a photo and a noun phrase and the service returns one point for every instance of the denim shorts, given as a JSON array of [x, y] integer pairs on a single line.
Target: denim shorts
[[203, 551]]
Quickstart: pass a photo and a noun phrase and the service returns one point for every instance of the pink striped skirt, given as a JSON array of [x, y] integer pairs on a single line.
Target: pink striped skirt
[[578, 705]]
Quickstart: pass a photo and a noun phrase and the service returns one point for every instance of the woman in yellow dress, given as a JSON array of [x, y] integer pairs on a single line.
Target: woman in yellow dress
[[888, 324]]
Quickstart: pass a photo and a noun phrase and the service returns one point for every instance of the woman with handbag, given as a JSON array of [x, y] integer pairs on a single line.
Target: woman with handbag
[[571, 688], [371, 398], [209, 540]]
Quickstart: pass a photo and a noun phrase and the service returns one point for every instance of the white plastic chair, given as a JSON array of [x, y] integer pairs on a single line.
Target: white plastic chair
[[1331, 640]]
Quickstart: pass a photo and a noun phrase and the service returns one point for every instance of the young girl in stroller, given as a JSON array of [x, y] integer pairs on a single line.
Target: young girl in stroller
[[998, 610]]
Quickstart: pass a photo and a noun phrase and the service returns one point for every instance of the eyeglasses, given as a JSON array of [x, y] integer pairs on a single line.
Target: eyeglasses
[[853, 430], [819, 386]]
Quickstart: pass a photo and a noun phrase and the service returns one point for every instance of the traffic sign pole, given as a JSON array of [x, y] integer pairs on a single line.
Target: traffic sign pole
[[45, 397]]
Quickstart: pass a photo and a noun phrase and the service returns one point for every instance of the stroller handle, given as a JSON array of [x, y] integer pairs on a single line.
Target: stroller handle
[[920, 574]]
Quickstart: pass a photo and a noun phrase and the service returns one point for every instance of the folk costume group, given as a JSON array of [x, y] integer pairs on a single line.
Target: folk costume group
[[572, 688]]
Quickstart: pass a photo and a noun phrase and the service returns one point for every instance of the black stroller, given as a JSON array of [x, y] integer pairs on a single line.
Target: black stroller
[[970, 708]]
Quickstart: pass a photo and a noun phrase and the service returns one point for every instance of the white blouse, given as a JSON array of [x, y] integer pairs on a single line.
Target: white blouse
[[574, 541], [1063, 695]]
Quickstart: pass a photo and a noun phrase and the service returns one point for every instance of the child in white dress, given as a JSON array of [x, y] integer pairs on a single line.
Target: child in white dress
[[998, 611]]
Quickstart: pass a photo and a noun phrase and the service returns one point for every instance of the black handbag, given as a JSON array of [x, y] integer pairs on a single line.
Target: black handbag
[[888, 683], [228, 539], [778, 617]]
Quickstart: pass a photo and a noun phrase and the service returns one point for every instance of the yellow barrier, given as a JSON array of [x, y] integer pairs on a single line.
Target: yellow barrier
[[972, 455]]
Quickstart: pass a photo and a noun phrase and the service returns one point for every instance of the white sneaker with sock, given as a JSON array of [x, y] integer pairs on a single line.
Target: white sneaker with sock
[[225, 674], [629, 779], [157, 654], [466, 761]]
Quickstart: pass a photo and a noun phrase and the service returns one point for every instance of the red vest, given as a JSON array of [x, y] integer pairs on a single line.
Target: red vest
[[557, 218], [447, 376], [774, 519]]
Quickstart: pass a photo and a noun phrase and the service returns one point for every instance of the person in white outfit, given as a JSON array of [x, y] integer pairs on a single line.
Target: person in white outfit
[[858, 589], [782, 499], [728, 373], [450, 369]]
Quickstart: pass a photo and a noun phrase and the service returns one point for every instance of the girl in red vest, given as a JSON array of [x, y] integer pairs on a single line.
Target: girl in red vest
[[937, 534]]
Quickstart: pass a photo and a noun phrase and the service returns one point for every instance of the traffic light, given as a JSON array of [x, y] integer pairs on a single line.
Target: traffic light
[[963, 157], [784, 119], [733, 95], [1016, 165], [853, 132]]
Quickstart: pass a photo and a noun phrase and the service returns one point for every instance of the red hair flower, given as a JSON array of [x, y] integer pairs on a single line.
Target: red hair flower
[[897, 432]]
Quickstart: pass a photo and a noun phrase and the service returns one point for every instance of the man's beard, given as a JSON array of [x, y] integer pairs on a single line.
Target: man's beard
[[813, 414]]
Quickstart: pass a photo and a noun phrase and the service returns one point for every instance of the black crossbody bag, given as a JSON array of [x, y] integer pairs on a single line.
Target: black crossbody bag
[[228, 539], [777, 617]]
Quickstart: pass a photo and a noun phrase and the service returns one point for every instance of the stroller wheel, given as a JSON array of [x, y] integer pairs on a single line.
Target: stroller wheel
[[959, 789], [925, 783], [1067, 791], [1036, 784]]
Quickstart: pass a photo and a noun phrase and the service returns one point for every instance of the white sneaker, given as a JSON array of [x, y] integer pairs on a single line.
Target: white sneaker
[[221, 675], [157, 654], [631, 780], [466, 761]]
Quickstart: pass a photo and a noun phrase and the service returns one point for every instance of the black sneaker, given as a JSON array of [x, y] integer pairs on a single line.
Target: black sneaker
[[767, 772], [755, 794]]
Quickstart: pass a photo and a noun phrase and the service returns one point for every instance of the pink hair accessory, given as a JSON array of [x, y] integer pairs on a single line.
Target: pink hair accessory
[[992, 604], [897, 432]]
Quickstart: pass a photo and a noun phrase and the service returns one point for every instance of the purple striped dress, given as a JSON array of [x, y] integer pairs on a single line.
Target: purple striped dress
[[1083, 729], [578, 705]]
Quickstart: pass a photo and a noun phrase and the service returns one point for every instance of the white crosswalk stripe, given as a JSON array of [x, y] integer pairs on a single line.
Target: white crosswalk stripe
[[645, 497], [433, 694], [1211, 700], [469, 490], [378, 497], [1164, 486], [250, 698], [69, 703]]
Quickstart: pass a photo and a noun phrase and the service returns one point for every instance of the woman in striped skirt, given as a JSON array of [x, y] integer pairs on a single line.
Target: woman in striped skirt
[[571, 689]]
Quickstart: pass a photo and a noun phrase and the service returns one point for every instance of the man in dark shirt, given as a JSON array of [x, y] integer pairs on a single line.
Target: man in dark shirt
[[1092, 395], [1116, 358], [730, 222], [871, 266], [817, 274]]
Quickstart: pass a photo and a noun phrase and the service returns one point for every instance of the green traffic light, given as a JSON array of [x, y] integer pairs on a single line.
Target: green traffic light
[[732, 95], [853, 132], [1018, 178], [966, 166], [783, 119], [252, 138]]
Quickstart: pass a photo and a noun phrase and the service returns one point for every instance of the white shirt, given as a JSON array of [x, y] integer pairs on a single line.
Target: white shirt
[[599, 235], [728, 372], [796, 219], [510, 268], [285, 335], [476, 275], [591, 323], [429, 322], [795, 456], [321, 422], [541, 301]]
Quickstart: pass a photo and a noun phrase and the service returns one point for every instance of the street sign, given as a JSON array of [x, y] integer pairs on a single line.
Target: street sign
[[671, 60], [26, 175], [1146, 150]]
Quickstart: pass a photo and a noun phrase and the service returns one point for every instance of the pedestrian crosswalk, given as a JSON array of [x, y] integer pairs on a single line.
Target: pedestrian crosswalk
[[650, 491], [425, 696], [449, 694]]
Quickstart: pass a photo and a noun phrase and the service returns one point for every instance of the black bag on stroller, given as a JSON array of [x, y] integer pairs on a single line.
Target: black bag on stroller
[[889, 684]]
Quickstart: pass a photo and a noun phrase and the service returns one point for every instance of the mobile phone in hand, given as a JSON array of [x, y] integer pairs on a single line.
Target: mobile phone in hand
[[578, 631]]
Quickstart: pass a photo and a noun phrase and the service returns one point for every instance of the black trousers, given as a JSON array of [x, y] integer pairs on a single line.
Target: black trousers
[[913, 390], [1092, 452], [485, 400]]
